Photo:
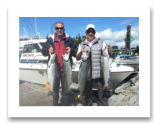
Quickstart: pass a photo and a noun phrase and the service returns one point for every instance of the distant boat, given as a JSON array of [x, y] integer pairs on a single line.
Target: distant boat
[[126, 59]]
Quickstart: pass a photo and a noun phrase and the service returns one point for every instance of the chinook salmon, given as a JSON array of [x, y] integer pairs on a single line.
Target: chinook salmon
[[53, 72], [67, 72], [105, 67], [84, 76]]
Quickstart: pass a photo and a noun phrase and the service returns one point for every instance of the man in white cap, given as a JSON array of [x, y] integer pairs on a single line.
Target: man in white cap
[[94, 46]]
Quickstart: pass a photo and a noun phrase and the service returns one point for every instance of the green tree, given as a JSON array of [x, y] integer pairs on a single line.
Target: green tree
[[83, 38], [78, 39], [114, 47], [115, 51]]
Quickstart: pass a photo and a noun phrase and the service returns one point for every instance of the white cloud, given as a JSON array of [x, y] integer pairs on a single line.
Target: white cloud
[[135, 43], [105, 35], [117, 37], [120, 44], [135, 32], [109, 41]]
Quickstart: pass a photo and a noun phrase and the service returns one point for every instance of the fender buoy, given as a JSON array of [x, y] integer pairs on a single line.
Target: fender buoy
[[47, 85]]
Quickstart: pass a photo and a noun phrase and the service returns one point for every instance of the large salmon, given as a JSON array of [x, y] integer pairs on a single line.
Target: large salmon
[[105, 67], [67, 72], [53, 72], [84, 75]]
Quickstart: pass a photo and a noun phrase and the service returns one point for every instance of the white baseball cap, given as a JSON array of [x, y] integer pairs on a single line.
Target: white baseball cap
[[90, 26]]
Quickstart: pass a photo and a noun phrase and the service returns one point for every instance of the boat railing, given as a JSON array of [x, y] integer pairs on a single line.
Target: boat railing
[[34, 58]]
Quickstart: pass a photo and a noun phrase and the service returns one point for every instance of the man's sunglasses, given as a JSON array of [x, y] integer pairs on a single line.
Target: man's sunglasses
[[59, 28], [90, 31]]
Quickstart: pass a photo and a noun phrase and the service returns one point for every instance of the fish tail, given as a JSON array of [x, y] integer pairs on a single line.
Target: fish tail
[[81, 98], [106, 88], [69, 91], [50, 93]]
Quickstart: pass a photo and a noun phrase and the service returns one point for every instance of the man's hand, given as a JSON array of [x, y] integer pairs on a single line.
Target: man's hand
[[68, 49], [83, 50], [78, 56], [50, 51], [108, 47]]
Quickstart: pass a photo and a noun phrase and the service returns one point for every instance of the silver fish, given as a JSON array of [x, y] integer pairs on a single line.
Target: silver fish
[[67, 72], [53, 72], [84, 76], [105, 67]]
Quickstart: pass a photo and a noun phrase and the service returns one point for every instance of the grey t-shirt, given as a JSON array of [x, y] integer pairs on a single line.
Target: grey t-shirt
[[90, 44]]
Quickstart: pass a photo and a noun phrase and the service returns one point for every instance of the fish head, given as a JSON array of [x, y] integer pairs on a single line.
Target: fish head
[[65, 57], [85, 55]]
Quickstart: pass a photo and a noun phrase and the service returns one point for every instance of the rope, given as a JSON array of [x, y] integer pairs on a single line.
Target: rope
[[35, 89]]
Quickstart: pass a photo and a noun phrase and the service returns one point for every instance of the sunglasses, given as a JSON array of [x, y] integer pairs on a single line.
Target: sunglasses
[[90, 31], [62, 28]]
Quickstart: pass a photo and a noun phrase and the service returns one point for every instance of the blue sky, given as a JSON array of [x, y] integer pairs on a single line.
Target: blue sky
[[111, 30]]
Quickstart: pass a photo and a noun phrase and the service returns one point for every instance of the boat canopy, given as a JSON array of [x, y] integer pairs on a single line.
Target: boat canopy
[[121, 56]]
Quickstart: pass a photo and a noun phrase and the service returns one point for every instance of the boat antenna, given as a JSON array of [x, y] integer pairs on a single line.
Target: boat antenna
[[31, 25], [35, 27], [28, 27], [24, 30]]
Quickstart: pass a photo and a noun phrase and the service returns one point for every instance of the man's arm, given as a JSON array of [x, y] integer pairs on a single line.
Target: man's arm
[[108, 49], [78, 56], [73, 48], [47, 48]]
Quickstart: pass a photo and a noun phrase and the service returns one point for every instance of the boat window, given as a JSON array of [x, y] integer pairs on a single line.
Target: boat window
[[31, 48], [23, 61], [28, 61]]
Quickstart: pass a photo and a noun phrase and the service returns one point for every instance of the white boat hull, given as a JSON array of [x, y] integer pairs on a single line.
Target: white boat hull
[[33, 75], [39, 76]]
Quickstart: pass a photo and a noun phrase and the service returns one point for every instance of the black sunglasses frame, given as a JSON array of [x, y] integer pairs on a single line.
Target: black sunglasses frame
[[90, 31], [57, 28]]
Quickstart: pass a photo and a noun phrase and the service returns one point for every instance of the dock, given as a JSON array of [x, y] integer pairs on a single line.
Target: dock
[[126, 94]]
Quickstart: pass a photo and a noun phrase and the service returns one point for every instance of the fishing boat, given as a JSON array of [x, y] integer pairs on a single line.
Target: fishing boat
[[33, 65], [126, 59]]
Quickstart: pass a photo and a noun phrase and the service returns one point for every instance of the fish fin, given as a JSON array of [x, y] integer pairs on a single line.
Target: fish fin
[[81, 98], [106, 88], [50, 93], [69, 92]]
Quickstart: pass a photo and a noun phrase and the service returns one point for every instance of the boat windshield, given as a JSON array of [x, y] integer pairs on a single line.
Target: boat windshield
[[31, 48]]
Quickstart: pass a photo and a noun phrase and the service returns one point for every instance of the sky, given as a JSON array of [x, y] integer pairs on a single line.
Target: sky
[[144, 14], [111, 30]]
